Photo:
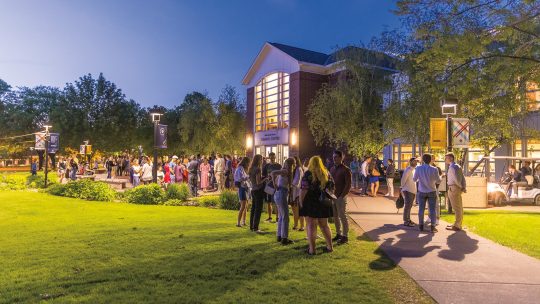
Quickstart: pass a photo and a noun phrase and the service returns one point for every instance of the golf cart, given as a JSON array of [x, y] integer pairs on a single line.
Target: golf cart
[[528, 191]]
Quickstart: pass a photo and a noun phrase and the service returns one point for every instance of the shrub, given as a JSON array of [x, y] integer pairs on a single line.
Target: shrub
[[12, 182], [151, 194], [208, 200], [177, 202], [84, 189], [177, 192], [229, 200], [56, 189], [38, 181]]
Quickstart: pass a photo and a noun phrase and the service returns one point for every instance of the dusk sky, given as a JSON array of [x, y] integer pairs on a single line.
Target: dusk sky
[[157, 51]]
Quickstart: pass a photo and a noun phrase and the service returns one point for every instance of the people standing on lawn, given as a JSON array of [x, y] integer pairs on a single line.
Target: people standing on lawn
[[241, 181], [374, 174], [456, 186], [316, 180], [109, 165], [219, 171], [427, 177], [193, 170], [364, 171], [167, 175], [282, 180], [408, 191], [296, 184], [136, 168], [355, 171], [204, 168], [62, 167], [341, 175], [266, 171], [390, 174], [257, 192], [146, 172]]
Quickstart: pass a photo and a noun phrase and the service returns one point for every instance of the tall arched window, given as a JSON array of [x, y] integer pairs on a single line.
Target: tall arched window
[[272, 102]]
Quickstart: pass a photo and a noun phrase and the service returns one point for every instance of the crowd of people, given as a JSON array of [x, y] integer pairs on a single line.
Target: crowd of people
[[315, 191]]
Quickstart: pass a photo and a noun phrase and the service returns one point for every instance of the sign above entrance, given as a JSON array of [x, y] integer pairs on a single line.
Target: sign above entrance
[[272, 137]]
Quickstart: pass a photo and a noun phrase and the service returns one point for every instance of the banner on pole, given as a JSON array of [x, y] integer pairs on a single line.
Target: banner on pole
[[438, 134], [461, 132], [54, 143], [40, 141], [160, 136], [85, 151]]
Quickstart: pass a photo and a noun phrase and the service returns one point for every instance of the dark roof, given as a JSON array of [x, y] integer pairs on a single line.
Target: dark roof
[[367, 56], [302, 54]]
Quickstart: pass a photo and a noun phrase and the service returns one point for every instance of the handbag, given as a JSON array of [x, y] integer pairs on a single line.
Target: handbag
[[400, 202], [269, 189], [375, 172]]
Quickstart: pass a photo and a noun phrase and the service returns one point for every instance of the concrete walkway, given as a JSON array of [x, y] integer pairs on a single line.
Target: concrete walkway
[[453, 267]]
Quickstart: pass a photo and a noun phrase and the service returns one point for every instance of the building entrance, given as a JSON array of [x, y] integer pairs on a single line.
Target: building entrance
[[282, 152]]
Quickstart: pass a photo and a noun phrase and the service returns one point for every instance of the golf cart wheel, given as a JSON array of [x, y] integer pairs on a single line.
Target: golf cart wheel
[[499, 200], [537, 200]]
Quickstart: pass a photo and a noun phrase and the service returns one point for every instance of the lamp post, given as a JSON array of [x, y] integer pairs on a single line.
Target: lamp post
[[155, 119], [46, 152], [448, 109]]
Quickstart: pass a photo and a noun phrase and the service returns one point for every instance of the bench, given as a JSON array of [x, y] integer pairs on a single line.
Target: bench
[[100, 171], [116, 184], [90, 177]]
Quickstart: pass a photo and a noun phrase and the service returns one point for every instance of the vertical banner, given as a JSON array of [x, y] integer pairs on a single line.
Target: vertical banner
[[438, 133], [160, 136], [40, 141], [54, 142], [461, 132]]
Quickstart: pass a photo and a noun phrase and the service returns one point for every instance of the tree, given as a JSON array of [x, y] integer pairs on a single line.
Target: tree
[[197, 124], [230, 121], [350, 112], [484, 53]]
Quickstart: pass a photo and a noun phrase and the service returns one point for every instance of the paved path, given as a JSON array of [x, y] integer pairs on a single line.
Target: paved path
[[458, 267]]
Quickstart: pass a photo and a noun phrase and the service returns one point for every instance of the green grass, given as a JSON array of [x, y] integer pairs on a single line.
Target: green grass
[[69, 250], [517, 230]]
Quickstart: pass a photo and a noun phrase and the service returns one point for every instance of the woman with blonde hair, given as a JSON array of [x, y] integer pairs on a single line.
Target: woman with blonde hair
[[314, 205], [282, 179]]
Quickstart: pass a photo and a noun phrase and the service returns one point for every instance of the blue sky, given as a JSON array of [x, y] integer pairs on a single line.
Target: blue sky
[[157, 51]]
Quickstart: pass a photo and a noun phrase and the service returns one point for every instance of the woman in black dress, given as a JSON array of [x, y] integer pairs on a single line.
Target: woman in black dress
[[316, 180]]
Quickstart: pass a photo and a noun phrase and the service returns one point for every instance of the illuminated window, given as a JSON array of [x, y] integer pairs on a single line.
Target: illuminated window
[[272, 102]]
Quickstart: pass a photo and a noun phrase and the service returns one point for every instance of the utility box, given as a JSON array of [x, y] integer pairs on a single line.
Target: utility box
[[476, 196]]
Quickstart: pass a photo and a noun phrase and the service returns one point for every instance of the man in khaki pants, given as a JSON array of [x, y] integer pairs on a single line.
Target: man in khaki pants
[[456, 186]]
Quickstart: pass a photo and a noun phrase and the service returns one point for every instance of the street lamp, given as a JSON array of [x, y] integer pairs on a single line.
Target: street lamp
[[448, 109], [155, 119], [46, 152]]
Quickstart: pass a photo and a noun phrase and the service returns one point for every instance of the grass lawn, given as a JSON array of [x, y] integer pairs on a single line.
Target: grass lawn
[[68, 250], [517, 230]]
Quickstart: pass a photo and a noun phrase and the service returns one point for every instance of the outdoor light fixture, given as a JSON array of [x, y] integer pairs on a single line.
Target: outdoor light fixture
[[294, 137], [249, 142], [155, 117], [47, 127], [449, 109]]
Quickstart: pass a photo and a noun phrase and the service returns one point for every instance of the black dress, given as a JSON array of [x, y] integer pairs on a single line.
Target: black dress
[[311, 206]]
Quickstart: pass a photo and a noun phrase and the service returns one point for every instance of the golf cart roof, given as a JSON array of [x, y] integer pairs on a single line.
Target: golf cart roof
[[531, 159]]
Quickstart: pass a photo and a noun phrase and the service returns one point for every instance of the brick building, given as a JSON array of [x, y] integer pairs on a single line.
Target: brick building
[[281, 84]]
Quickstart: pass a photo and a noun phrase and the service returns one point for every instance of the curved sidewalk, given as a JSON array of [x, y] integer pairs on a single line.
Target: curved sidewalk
[[453, 267]]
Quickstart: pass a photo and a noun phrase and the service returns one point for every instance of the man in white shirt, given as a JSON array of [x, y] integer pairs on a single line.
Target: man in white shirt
[[427, 178], [408, 190], [364, 174], [456, 185], [219, 169]]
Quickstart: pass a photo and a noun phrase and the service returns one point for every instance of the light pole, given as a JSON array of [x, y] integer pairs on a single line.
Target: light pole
[[448, 109], [46, 152], [155, 119]]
